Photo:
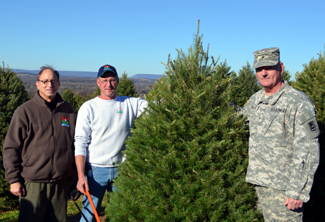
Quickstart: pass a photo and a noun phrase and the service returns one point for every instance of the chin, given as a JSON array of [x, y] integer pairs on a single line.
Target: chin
[[265, 83]]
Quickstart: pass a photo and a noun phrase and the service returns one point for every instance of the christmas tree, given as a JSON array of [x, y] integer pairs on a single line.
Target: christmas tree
[[126, 87], [187, 157], [68, 96], [12, 95], [286, 76], [244, 85]]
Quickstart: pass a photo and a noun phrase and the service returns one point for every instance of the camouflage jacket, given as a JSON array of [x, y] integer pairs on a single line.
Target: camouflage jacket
[[283, 143]]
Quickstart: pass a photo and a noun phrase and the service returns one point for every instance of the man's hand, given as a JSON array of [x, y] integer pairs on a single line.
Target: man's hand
[[17, 189], [82, 184], [82, 181], [293, 204]]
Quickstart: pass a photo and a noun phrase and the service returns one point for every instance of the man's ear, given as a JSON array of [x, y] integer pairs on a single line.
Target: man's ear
[[281, 67]]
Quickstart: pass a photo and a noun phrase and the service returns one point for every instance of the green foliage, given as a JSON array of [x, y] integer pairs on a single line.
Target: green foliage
[[12, 95], [77, 100], [312, 82], [188, 154], [224, 70], [9, 216], [69, 97], [80, 100], [94, 94], [244, 85], [126, 87], [286, 76]]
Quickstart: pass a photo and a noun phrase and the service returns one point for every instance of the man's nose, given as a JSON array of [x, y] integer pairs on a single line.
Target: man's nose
[[263, 72], [51, 83]]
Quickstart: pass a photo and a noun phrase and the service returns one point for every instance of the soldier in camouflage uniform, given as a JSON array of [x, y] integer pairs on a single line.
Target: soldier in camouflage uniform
[[283, 143]]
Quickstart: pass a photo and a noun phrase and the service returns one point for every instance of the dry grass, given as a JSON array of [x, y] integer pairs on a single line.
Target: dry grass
[[73, 212]]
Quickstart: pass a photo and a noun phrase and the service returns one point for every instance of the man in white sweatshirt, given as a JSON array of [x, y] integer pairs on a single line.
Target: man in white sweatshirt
[[103, 124]]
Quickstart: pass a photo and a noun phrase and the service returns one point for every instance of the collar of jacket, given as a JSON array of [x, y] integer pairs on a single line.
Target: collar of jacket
[[273, 98], [39, 100]]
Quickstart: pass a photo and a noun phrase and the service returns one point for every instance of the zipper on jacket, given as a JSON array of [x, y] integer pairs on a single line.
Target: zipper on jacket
[[52, 126]]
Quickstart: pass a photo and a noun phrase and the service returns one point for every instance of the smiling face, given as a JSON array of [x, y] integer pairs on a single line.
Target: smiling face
[[108, 84], [48, 85], [270, 76]]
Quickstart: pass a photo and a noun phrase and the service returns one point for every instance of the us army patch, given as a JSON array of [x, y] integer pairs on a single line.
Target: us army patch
[[311, 128]]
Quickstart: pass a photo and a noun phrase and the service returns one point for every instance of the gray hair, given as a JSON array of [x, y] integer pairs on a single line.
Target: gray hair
[[56, 72]]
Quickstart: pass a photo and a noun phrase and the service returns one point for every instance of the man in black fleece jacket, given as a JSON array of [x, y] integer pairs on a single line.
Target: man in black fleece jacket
[[38, 152]]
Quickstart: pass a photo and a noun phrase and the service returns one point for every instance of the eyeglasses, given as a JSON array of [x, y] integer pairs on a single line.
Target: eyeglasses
[[105, 81], [46, 82]]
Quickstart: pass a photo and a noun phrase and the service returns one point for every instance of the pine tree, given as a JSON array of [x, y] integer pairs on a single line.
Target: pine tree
[[224, 70], [79, 100], [286, 76], [187, 157], [126, 87], [12, 95], [244, 85], [312, 82], [69, 97]]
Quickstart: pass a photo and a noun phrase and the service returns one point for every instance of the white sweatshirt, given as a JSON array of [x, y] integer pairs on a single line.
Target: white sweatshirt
[[103, 126]]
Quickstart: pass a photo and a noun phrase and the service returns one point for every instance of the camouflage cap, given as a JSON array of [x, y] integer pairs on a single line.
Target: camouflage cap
[[266, 57]]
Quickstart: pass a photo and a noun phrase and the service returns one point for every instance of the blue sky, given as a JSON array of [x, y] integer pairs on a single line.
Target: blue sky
[[136, 36]]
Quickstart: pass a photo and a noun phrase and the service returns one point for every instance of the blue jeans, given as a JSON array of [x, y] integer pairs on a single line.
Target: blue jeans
[[99, 179]]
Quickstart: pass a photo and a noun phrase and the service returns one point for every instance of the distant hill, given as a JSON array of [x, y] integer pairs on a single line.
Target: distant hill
[[82, 85], [62, 73], [146, 76], [23, 71], [85, 74]]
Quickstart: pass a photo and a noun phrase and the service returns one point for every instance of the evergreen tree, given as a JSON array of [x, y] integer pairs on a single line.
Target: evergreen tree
[[12, 95], [69, 97], [188, 154], [312, 82], [126, 87], [224, 70], [286, 76], [244, 85], [96, 93], [79, 100]]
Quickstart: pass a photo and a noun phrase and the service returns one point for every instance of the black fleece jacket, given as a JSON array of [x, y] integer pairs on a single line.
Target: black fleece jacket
[[39, 143]]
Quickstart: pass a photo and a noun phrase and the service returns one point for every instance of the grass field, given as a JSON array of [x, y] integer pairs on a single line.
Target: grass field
[[73, 212]]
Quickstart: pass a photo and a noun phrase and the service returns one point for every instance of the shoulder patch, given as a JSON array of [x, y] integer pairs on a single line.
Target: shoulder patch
[[311, 128]]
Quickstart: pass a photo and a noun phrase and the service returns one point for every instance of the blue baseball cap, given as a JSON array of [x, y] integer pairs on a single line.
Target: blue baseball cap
[[106, 68]]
